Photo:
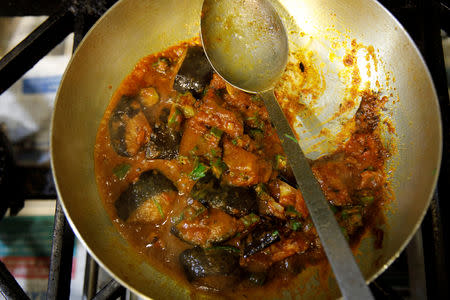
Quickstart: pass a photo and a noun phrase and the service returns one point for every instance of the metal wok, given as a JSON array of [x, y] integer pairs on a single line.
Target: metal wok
[[133, 29]]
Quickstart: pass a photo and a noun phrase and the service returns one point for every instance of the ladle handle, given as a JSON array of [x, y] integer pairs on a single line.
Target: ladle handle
[[346, 271]]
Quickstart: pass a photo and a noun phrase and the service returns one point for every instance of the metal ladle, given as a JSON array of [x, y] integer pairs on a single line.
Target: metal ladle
[[247, 45]]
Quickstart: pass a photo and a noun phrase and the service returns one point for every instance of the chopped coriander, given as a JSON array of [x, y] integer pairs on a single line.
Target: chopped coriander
[[291, 137], [199, 171], [182, 159], [367, 199], [198, 212], [193, 150], [255, 98], [256, 121], [178, 219], [280, 162], [158, 205], [218, 167], [188, 111], [275, 233], [295, 224], [174, 119], [250, 219], [260, 189], [121, 170], [161, 60], [291, 210], [216, 132], [234, 141], [255, 133]]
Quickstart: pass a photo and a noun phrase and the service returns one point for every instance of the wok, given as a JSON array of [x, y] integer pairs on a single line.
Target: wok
[[132, 29]]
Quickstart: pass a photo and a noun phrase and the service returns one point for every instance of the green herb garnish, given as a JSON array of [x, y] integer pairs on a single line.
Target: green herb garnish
[[121, 171], [198, 212], [174, 118], [161, 60], [367, 199], [199, 171], [291, 137], [291, 210], [255, 133], [275, 233], [218, 167], [188, 111], [280, 162], [260, 189], [295, 224], [250, 219], [255, 98], [234, 141], [193, 150], [158, 205], [176, 220], [216, 132]]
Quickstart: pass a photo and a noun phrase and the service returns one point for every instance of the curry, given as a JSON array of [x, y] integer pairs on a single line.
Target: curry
[[193, 174]]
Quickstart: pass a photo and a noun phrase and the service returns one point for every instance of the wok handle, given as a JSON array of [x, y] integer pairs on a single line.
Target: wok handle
[[346, 271]]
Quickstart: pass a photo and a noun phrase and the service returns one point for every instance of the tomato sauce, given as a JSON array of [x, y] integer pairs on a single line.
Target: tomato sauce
[[193, 175]]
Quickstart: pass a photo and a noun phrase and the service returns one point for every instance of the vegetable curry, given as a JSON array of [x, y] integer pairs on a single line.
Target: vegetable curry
[[193, 174]]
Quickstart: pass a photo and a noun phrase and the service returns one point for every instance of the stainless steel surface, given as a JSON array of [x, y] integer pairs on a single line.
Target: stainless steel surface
[[416, 265], [246, 38], [133, 29], [351, 282], [248, 47]]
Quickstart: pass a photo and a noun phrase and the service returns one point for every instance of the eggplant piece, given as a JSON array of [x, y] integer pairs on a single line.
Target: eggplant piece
[[236, 201], [149, 185], [127, 126], [164, 143], [204, 227], [195, 73], [214, 268], [261, 237]]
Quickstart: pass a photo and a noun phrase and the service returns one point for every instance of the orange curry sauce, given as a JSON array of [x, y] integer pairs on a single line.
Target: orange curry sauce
[[216, 205]]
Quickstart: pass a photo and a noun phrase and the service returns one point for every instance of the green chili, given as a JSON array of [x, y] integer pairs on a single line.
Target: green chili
[[121, 171]]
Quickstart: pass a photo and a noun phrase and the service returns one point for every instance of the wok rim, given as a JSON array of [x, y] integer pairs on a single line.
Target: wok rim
[[381, 269]]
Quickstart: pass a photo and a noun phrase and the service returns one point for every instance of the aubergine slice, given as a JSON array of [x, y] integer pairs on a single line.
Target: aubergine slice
[[214, 268], [204, 227], [261, 237], [128, 127], [148, 189], [194, 74], [164, 141], [236, 201]]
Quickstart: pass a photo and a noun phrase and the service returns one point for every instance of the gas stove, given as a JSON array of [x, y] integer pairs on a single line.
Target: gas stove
[[420, 272]]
